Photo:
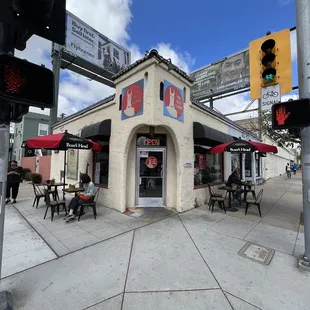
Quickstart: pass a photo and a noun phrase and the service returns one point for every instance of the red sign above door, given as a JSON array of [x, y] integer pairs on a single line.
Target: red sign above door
[[152, 142]]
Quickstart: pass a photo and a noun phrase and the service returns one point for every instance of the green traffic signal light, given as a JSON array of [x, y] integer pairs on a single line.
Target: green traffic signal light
[[268, 61]]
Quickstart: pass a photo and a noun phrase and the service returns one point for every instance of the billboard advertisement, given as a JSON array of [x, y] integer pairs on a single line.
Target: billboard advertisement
[[91, 46], [227, 75]]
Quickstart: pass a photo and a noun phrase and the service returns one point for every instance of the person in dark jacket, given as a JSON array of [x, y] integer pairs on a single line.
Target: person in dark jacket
[[13, 180], [234, 179]]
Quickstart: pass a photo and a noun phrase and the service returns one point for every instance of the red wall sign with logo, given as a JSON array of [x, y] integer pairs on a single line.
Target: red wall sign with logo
[[132, 100], [151, 162], [173, 102]]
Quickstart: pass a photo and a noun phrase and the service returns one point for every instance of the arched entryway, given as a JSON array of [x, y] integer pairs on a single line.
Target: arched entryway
[[152, 168]]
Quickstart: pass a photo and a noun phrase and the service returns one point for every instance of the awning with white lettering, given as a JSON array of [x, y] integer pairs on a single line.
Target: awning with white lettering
[[61, 142], [242, 146]]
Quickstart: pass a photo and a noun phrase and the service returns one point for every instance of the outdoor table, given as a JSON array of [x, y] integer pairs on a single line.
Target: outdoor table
[[230, 191], [246, 186], [74, 190], [56, 185]]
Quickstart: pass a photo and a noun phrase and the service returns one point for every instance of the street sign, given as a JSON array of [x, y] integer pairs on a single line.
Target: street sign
[[269, 96]]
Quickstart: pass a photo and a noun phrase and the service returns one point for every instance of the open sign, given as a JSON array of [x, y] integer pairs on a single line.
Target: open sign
[[152, 142]]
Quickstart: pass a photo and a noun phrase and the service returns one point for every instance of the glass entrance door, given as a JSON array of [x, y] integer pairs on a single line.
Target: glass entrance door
[[150, 185]]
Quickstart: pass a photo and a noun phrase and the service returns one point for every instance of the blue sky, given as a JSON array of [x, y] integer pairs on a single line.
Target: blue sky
[[193, 34], [208, 30]]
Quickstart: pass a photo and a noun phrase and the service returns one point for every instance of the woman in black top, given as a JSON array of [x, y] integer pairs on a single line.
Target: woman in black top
[[13, 181]]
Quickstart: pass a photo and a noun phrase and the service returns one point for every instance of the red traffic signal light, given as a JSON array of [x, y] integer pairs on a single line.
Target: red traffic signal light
[[291, 114], [26, 83]]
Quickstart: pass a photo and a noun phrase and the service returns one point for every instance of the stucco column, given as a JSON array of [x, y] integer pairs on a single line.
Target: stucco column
[[227, 165], [117, 172], [185, 176], [243, 166], [253, 167]]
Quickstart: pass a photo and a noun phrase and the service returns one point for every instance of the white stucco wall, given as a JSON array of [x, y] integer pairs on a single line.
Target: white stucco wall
[[180, 192], [274, 164]]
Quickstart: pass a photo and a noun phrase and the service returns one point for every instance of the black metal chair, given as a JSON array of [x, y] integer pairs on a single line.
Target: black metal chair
[[53, 205], [92, 204], [38, 194], [214, 197], [256, 202]]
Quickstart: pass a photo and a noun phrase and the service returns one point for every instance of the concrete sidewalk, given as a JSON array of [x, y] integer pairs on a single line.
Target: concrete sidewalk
[[186, 261]]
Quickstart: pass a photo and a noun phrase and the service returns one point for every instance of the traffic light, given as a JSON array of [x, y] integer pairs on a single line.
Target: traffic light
[[270, 63], [291, 114], [45, 18], [26, 83]]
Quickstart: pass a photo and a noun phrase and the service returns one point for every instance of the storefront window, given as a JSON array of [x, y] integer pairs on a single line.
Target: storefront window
[[248, 165], [208, 169], [235, 162], [101, 167]]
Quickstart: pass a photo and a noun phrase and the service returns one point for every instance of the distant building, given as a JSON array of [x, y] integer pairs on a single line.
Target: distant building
[[32, 125]]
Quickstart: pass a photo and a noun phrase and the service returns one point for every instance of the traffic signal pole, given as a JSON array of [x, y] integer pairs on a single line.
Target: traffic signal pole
[[303, 58], [6, 46]]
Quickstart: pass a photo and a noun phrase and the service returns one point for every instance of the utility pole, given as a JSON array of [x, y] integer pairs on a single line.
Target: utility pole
[[303, 57]]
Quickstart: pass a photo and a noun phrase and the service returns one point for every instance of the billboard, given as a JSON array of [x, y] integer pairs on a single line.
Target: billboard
[[227, 75], [87, 48]]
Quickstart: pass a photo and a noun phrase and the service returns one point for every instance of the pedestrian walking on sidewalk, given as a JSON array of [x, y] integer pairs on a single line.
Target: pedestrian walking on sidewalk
[[288, 171], [294, 168], [14, 178]]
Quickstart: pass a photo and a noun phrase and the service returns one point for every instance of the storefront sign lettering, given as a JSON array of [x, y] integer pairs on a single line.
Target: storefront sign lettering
[[77, 146], [241, 150], [152, 142]]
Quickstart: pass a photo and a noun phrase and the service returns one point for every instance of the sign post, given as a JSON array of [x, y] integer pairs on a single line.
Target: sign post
[[303, 53]]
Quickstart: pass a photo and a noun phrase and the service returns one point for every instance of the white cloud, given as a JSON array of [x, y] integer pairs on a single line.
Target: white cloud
[[182, 60]]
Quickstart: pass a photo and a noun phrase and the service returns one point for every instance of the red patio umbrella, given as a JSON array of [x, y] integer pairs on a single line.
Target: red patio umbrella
[[62, 142], [242, 146]]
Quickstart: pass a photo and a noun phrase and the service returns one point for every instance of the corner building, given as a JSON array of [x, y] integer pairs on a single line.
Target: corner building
[[155, 142]]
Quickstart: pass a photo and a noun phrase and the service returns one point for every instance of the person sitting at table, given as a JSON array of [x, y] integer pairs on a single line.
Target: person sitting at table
[[87, 195], [234, 179]]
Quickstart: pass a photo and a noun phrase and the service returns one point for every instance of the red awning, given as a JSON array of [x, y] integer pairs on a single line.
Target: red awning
[[242, 146], [96, 146]]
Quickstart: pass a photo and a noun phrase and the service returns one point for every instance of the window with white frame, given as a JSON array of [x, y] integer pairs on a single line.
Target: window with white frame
[[43, 130]]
